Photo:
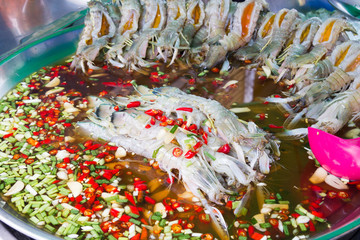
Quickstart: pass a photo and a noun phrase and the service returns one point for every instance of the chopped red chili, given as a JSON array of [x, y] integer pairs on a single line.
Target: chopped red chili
[[275, 126], [185, 109], [189, 154], [133, 104], [177, 152], [224, 149]]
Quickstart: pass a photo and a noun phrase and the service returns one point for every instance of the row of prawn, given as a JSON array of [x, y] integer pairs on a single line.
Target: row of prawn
[[321, 63], [205, 32], [326, 88], [139, 30], [311, 52]]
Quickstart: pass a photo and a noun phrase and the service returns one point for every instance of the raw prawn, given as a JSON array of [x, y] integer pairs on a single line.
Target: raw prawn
[[169, 39], [324, 40], [315, 94], [301, 43], [212, 30], [241, 31], [99, 28], [333, 116], [152, 21], [264, 33], [322, 69], [284, 24], [130, 14], [339, 111], [195, 16], [245, 138], [338, 80], [184, 145]]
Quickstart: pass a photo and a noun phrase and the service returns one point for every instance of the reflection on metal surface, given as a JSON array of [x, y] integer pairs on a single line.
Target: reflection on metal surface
[[19, 18], [350, 8]]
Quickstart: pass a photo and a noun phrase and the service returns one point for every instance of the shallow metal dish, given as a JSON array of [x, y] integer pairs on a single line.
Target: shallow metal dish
[[56, 47]]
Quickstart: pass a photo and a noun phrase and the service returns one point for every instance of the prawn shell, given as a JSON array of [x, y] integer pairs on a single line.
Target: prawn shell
[[341, 53], [351, 63], [216, 15], [311, 25], [93, 37], [149, 15], [267, 23], [243, 35], [189, 13], [335, 26]]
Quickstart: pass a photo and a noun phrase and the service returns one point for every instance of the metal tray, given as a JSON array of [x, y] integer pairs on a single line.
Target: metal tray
[[53, 48]]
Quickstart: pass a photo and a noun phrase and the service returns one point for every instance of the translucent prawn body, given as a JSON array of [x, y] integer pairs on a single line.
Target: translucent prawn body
[[302, 42], [195, 15], [240, 33], [284, 23], [168, 42], [99, 28], [325, 40], [152, 21], [130, 15], [324, 68], [212, 150], [339, 111], [265, 30]]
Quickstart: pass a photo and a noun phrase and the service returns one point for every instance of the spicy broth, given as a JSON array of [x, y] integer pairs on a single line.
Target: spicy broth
[[288, 177]]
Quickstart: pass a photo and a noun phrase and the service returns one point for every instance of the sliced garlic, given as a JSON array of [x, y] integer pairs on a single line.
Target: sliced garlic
[[68, 105], [72, 110], [53, 83], [62, 175], [53, 91], [266, 210], [31, 190], [335, 182], [260, 218], [19, 136], [61, 154], [106, 195], [229, 83], [318, 176], [159, 207], [120, 152], [302, 219], [75, 188], [69, 139], [17, 187], [240, 110], [67, 206]]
